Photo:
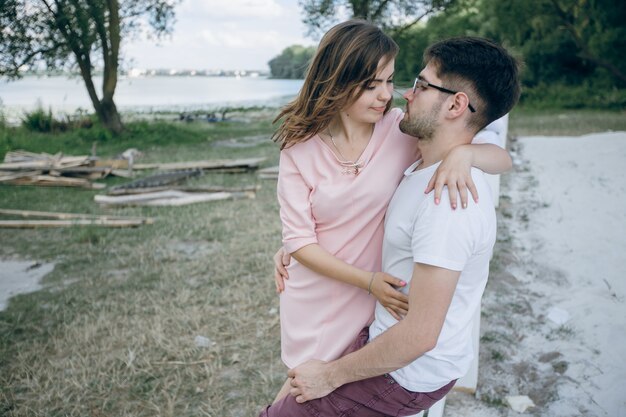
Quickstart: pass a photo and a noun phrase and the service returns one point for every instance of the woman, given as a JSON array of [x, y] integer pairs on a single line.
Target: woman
[[342, 156]]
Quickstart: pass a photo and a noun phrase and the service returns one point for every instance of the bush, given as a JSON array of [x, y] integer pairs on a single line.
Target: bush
[[41, 121]]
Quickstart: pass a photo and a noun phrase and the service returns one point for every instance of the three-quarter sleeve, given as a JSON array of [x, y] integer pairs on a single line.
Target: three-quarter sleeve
[[295, 205]]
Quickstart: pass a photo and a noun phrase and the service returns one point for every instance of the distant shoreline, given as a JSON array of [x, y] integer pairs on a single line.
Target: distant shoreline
[[146, 95]]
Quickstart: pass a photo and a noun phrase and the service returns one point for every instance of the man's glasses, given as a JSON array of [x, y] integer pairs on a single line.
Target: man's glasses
[[425, 84]]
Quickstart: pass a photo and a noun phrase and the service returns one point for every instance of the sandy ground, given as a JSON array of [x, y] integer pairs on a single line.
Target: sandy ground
[[18, 277], [554, 312]]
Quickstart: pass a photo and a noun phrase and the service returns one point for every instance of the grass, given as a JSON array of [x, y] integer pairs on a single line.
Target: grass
[[112, 332]]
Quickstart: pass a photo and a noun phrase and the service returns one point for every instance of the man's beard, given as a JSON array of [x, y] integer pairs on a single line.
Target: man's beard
[[422, 126]]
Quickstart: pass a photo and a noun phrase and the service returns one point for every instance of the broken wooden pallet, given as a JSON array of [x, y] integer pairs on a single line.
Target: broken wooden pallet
[[159, 180], [216, 164]]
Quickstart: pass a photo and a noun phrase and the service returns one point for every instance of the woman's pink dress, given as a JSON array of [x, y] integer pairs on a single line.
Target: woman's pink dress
[[343, 213]]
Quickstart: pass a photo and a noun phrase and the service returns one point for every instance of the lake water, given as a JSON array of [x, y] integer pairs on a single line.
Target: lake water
[[152, 93]]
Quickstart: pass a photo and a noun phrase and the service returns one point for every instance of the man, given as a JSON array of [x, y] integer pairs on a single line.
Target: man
[[403, 367]]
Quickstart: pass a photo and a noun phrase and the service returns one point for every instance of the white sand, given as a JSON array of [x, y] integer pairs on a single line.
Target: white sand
[[555, 314], [18, 277]]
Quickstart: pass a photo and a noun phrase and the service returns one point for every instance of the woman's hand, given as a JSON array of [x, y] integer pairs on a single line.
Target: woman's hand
[[455, 172], [383, 287], [281, 259]]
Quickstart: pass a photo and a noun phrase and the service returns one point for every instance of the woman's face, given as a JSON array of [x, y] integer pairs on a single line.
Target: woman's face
[[370, 107]]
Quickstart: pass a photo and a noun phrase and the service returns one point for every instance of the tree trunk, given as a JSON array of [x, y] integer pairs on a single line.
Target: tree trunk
[[109, 116]]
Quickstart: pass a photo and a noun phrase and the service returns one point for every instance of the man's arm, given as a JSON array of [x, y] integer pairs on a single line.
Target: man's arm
[[430, 296]]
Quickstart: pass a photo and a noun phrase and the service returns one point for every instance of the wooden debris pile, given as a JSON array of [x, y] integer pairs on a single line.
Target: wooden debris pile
[[160, 189], [164, 188], [54, 219], [43, 169]]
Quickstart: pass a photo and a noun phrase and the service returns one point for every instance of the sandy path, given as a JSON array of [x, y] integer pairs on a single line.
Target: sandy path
[[18, 277], [554, 313]]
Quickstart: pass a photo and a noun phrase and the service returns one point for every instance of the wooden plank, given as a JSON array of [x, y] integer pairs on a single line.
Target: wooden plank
[[251, 163], [68, 216], [51, 181], [168, 198], [200, 189], [45, 164], [111, 163], [122, 173], [137, 198], [35, 224], [190, 199], [270, 173], [13, 175]]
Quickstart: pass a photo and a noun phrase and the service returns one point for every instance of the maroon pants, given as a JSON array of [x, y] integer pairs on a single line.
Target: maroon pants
[[378, 396]]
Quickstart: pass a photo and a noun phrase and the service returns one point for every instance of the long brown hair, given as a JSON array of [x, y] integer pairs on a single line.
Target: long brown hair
[[346, 60]]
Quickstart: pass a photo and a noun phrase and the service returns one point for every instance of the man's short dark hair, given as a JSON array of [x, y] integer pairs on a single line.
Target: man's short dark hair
[[484, 70]]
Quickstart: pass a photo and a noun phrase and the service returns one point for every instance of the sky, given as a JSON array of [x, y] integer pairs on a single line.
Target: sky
[[223, 34]]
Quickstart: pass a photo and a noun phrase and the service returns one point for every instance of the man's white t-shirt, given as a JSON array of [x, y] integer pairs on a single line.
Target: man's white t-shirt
[[418, 231]]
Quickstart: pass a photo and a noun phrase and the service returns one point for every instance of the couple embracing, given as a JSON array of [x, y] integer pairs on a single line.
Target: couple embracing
[[385, 267]]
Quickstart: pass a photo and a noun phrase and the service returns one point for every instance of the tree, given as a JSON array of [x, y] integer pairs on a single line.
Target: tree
[[292, 62], [564, 40], [83, 34], [597, 29], [394, 15]]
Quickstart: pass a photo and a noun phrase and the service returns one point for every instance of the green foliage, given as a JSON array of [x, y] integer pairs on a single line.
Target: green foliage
[[320, 15], [565, 41], [572, 56], [292, 63], [459, 19], [40, 120]]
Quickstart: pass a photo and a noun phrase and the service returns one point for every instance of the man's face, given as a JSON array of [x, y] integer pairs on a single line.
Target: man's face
[[423, 108]]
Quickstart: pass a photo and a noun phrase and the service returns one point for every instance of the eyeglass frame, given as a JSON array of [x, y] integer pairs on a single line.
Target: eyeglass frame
[[425, 84]]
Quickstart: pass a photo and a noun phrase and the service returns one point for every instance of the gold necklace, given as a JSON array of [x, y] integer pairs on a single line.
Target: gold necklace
[[349, 167]]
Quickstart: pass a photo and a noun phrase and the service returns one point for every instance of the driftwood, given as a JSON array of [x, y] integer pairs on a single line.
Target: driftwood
[[169, 198]]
